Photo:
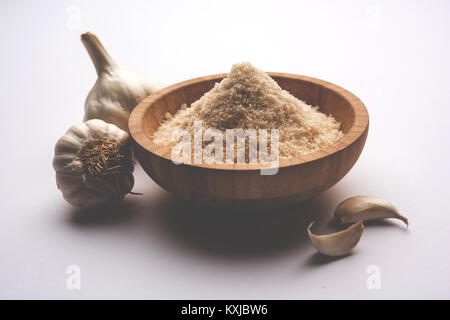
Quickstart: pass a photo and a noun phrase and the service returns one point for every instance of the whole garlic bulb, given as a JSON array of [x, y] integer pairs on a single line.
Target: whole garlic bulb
[[93, 164], [117, 90]]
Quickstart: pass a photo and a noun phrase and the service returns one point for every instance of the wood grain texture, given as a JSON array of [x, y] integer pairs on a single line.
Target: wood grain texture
[[242, 185]]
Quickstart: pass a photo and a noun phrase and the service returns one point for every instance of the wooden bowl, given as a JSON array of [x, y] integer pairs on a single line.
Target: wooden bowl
[[242, 185]]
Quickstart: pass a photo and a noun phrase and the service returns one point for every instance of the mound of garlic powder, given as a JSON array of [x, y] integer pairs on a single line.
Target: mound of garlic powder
[[248, 98]]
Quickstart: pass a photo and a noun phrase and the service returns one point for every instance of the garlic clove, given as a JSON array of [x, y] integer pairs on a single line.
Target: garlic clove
[[97, 128], [68, 144], [79, 132], [366, 208], [338, 243]]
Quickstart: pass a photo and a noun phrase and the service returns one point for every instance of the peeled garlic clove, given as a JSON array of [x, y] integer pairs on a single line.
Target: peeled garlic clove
[[338, 243], [366, 208]]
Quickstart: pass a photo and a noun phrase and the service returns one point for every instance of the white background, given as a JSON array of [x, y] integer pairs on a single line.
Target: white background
[[394, 55]]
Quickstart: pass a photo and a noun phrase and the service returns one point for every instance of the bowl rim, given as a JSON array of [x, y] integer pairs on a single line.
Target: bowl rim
[[360, 124]]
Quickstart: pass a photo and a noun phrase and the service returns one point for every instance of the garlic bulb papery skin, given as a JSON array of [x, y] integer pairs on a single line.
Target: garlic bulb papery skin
[[93, 164], [117, 90]]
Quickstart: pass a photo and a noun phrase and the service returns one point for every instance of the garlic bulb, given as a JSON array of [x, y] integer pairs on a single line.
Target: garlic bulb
[[93, 164], [117, 90]]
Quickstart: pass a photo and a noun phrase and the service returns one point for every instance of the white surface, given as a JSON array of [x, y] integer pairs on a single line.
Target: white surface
[[394, 55]]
